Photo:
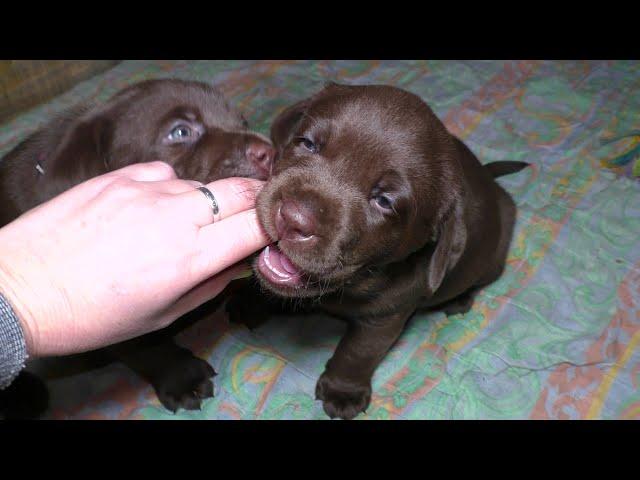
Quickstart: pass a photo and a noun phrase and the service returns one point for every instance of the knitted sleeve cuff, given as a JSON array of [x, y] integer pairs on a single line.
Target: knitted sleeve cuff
[[13, 349]]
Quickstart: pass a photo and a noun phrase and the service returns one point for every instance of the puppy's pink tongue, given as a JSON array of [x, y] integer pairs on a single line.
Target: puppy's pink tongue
[[287, 265], [276, 267]]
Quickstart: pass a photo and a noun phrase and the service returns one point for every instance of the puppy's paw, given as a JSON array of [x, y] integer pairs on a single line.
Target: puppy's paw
[[185, 384], [459, 305], [457, 308], [342, 399]]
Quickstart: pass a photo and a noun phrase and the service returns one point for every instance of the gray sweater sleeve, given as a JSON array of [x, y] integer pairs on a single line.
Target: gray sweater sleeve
[[13, 350]]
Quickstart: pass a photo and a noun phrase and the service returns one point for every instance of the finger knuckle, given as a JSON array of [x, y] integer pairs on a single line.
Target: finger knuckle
[[161, 168], [162, 202], [122, 187]]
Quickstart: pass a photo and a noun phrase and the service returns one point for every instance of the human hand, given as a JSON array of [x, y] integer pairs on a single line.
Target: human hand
[[124, 254]]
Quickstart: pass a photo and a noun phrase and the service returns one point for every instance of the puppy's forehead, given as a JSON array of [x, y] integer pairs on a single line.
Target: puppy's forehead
[[207, 103], [391, 125]]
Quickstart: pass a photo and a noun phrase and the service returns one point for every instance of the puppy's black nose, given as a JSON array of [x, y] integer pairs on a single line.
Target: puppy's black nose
[[261, 154], [295, 221]]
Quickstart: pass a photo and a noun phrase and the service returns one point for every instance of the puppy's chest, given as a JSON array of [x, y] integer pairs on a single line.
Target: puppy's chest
[[373, 295]]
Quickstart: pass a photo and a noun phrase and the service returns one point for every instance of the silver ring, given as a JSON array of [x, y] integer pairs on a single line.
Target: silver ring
[[212, 200]]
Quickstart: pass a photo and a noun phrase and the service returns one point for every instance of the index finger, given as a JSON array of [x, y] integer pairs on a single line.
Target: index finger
[[225, 243], [232, 195]]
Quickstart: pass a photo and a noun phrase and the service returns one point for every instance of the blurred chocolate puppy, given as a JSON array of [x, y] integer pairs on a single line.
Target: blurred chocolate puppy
[[190, 126]]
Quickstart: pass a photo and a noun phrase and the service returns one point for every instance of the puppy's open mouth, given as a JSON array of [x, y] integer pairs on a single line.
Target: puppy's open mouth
[[275, 270], [278, 269]]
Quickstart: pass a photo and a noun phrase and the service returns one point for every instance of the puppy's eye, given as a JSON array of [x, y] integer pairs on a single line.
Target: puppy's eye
[[181, 133], [308, 144], [383, 201]]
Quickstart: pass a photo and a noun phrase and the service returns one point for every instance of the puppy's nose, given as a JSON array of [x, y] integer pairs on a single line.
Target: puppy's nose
[[295, 221], [261, 155]]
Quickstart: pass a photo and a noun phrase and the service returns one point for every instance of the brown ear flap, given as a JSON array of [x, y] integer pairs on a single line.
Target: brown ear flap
[[84, 150], [450, 242], [284, 124], [331, 85]]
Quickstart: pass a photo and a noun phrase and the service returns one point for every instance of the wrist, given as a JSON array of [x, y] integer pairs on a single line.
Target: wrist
[[13, 352], [21, 312]]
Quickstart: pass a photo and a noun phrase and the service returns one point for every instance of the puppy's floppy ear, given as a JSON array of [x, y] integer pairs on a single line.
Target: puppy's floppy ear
[[284, 124], [451, 237], [85, 137], [331, 85], [84, 148]]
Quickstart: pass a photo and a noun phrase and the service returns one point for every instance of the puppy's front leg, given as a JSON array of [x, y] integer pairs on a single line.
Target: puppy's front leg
[[345, 385], [179, 378]]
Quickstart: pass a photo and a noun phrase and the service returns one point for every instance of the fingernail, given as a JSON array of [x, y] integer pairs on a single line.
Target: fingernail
[[243, 274]]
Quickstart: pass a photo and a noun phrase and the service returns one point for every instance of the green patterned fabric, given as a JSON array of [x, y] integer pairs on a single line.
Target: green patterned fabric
[[25, 83], [555, 337]]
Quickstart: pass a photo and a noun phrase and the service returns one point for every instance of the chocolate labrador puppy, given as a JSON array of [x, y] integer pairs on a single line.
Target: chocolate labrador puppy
[[376, 211], [188, 125]]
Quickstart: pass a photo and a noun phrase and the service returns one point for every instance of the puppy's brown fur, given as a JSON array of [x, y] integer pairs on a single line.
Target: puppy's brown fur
[[377, 211]]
